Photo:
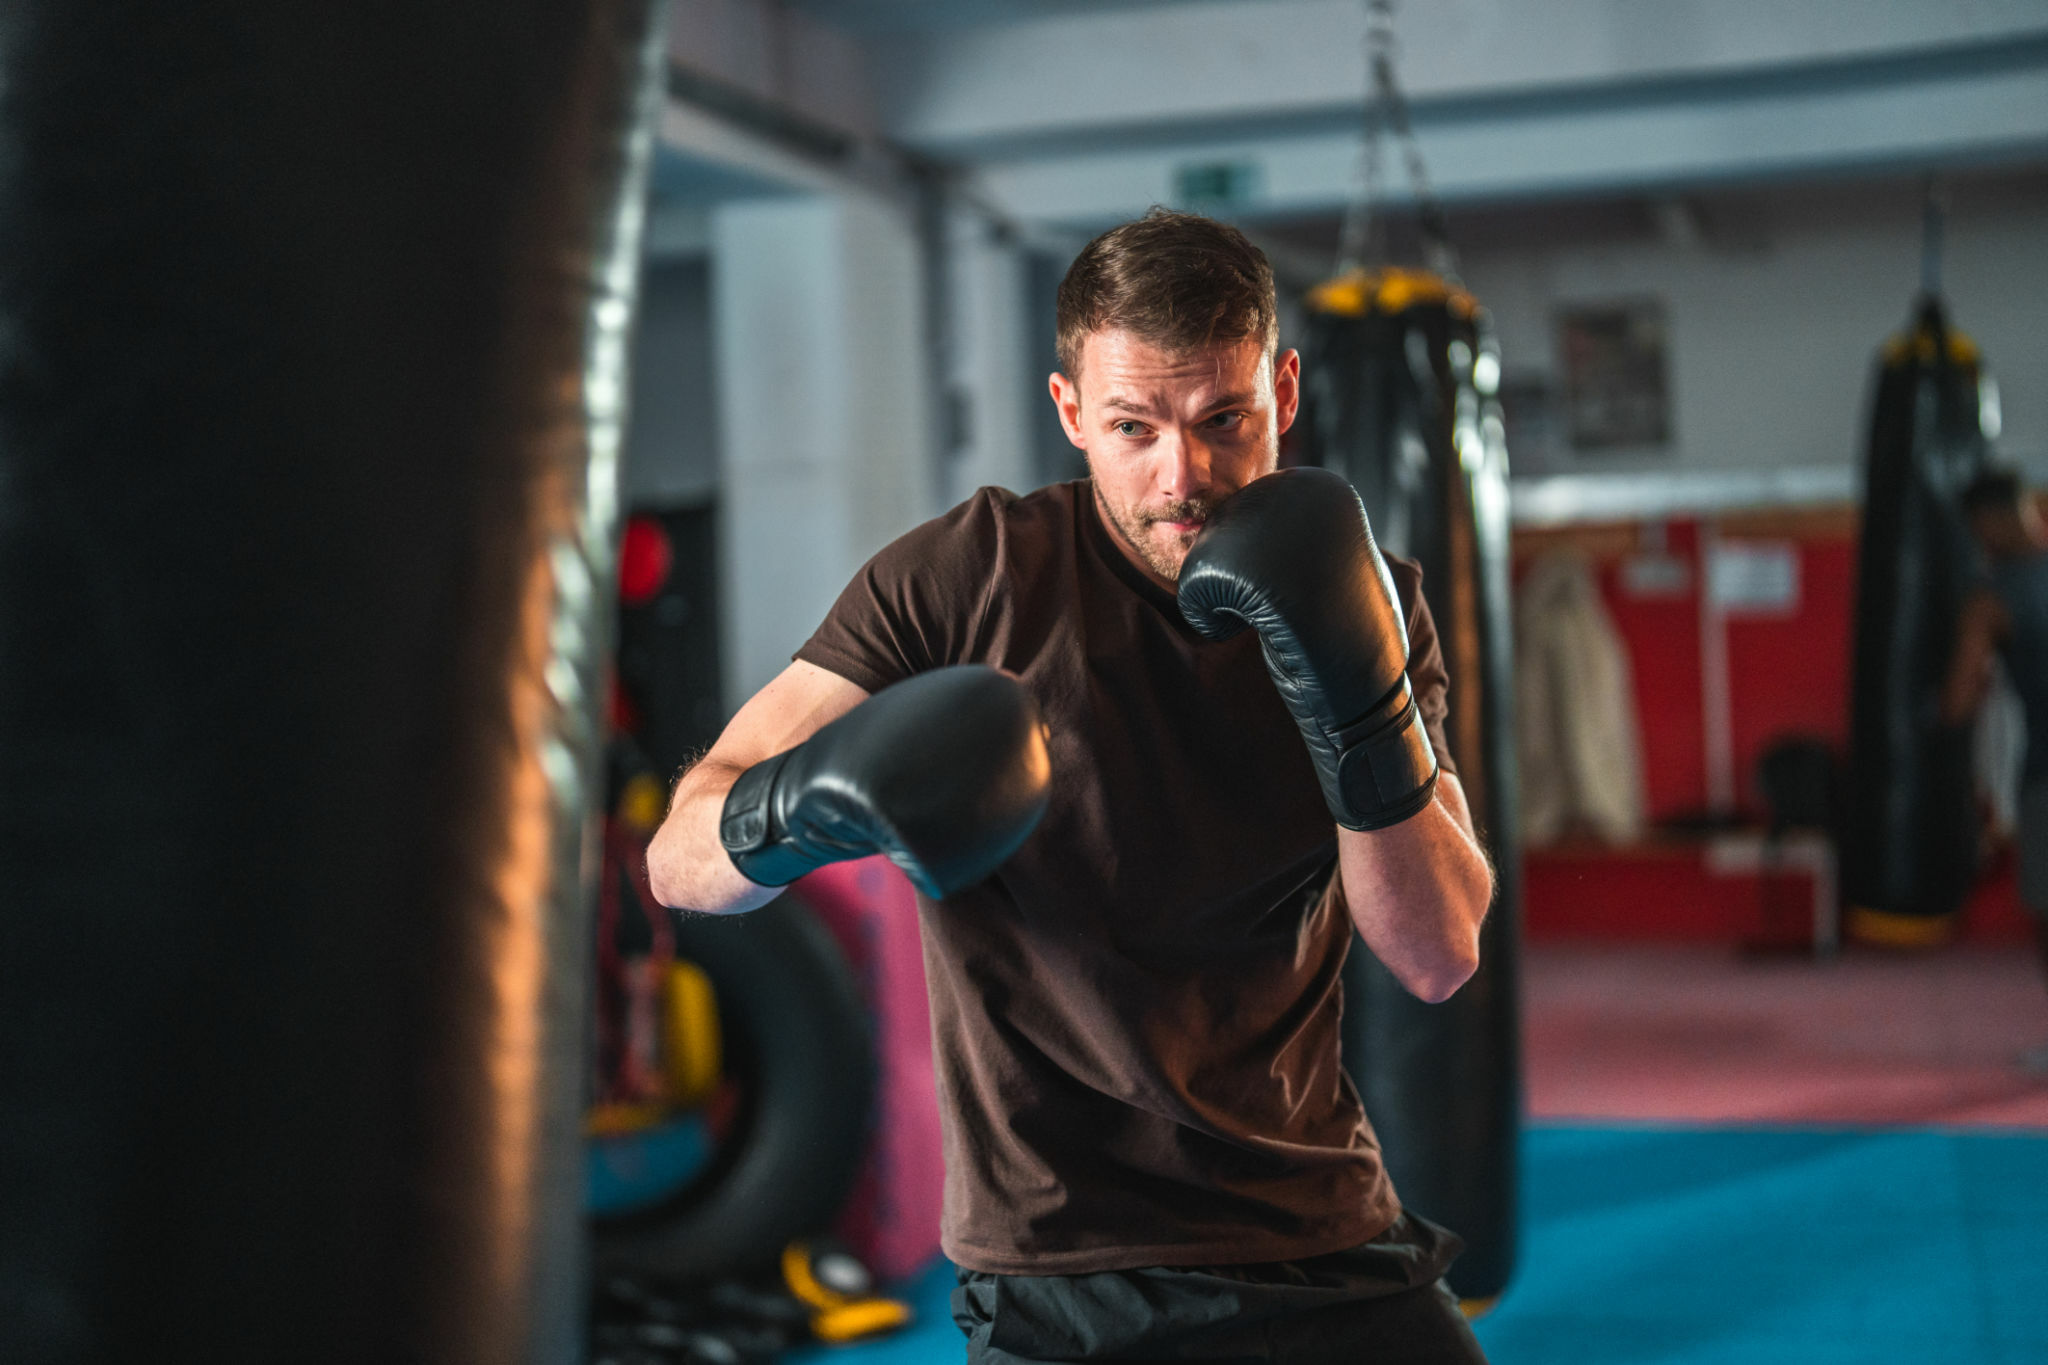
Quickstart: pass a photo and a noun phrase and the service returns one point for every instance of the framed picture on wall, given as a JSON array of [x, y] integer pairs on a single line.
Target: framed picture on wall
[[1528, 403], [1616, 390]]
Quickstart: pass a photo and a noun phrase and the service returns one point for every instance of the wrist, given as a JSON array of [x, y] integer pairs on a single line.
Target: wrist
[[1384, 768], [751, 835]]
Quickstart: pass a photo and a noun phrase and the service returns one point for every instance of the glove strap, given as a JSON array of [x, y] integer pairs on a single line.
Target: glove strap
[[1386, 769], [763, 854]]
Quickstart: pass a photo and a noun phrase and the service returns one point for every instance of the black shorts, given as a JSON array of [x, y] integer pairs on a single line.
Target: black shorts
[[1382, 1301]]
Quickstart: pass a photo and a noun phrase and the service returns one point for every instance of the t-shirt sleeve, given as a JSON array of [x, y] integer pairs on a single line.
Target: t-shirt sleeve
[[1427, 675], [919, 603]]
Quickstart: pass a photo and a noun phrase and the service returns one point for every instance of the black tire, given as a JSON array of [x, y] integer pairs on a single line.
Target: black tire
[[799, 1042]]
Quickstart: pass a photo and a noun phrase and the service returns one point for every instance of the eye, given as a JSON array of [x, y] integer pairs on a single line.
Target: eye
[[1227, 421], [1127, 427]]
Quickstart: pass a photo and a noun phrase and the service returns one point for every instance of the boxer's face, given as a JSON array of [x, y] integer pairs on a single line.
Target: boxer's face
[[1169, 434]]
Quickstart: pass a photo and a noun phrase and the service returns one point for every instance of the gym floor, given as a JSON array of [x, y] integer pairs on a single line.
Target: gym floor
[[1757, 1160]]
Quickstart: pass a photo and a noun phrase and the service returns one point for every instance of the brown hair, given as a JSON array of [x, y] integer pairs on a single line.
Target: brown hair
[[1178, 280]]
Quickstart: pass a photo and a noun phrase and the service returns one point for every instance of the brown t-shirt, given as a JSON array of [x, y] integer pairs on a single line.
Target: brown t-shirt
[[1135, 1018]]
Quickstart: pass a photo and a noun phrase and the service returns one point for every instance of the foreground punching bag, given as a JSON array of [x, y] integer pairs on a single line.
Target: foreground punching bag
[[1909, 842], [1399, 373], [312, 326]]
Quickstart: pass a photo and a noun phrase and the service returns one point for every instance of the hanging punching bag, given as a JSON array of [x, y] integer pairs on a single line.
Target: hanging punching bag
[[1399, 375], [1909, 841], [312, 328]]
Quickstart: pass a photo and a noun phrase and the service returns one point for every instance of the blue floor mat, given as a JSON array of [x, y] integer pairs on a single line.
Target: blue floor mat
[[1752, 1247], [1663, 1246], [929, 1339]]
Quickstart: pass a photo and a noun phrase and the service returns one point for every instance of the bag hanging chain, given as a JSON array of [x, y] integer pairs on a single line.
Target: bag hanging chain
[[1362, 238]]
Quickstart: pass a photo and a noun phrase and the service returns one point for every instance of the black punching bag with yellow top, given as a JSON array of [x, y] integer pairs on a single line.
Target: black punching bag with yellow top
[[1909, 841], [312, 332], [1400, 372]]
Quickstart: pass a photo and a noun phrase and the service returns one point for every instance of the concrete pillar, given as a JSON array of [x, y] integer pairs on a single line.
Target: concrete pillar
[[824, 396], [991, 366]]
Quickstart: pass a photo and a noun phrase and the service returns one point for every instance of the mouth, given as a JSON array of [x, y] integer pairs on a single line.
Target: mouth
[[1179, 518]]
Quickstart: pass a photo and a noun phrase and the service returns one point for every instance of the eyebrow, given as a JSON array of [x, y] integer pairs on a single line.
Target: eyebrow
[[1222, 401]]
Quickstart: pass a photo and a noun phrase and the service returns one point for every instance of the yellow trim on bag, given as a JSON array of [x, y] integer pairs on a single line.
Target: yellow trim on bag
[[1390, 289], [1890, 929], [1919, 343]]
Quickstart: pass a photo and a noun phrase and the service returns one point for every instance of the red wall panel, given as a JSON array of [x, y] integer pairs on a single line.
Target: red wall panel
[[1789, 675], [1788, 672], [1662, 636]]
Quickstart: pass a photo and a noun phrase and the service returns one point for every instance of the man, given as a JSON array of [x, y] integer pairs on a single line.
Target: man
[[1151, 1147], [2008, 616]]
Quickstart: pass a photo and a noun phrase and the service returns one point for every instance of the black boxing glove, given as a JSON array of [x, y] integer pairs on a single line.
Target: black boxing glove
[[945, 772], [1291, 556]]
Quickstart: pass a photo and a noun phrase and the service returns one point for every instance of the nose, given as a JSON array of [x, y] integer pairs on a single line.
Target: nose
[[1184, 470]]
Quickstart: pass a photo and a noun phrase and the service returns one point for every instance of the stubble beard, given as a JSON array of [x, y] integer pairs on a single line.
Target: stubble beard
[[1134, 528]]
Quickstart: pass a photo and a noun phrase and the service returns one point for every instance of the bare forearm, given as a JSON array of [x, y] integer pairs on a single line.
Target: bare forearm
[[1969, 679], [1982, 626], [687, 866], [1418, 893]]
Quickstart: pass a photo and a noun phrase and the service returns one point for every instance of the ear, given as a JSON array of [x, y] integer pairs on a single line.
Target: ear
[[1286, 388], [1066, 397]]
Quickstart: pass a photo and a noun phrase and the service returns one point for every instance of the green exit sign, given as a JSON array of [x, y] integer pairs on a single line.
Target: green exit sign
[[1210, 185]]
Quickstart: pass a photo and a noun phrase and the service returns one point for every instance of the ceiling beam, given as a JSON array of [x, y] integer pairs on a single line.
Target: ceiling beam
[[970, 90], [1919, 116]]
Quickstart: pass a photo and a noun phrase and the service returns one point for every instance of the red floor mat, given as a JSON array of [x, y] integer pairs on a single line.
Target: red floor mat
[[1687, 1033]]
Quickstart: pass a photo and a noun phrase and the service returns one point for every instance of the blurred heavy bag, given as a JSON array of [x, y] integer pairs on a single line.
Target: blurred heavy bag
[[312, 336], [1910, 830], [1399, 375]]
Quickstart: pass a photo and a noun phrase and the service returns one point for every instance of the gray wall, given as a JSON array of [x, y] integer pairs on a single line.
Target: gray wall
[[1776, 311]]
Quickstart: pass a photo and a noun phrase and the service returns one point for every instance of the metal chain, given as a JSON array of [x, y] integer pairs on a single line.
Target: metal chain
[[1358, 239], [1362, 238]]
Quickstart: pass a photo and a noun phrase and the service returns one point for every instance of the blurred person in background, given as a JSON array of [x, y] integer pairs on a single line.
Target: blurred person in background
[[2007, 616], [1152, 1148]]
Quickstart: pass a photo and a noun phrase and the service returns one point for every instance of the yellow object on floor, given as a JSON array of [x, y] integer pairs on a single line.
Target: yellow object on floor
[[836, 1315], [693, 1045], [617, 1120]]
